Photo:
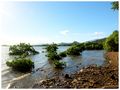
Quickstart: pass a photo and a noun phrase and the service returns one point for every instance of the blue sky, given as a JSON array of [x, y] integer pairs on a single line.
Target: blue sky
[[47, 22]]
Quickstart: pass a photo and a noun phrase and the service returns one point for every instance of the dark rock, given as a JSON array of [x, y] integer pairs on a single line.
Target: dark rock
[[113, 77], [37, 69], [67, 76], [41, 70], [67, 86]]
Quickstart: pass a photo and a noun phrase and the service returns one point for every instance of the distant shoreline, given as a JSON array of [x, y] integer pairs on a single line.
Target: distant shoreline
[[36, 45], [64, 43]]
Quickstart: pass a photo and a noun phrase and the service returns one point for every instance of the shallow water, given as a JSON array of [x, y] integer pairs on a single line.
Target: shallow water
[[44, 68]]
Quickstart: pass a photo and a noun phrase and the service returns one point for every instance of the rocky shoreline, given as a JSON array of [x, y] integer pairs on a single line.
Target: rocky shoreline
[[90, 77]]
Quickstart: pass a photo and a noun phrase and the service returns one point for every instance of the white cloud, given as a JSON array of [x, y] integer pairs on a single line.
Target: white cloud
[[98, 33], [65, 32], [90, 34]]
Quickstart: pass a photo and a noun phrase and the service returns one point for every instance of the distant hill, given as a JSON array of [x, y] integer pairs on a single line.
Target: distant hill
[[64, 44], [69, 44], [98, 40]]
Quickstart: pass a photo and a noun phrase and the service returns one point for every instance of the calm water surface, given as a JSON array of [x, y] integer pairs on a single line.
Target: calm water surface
[[44, 68]]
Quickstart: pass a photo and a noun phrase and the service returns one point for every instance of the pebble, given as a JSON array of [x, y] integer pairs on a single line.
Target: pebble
[[81, 70], [67, 76], [74, 81], [79, 78]]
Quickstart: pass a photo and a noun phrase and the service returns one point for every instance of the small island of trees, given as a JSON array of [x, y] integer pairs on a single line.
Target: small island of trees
[[21, 63], [21, 49]]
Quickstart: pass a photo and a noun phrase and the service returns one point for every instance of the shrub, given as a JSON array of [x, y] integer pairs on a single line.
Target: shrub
[[93, 46], [75, 43], [52, 48], [52, 52], [21, 64], [53, 56], [63, 54], [112, 42], [22, 48], [59, 64], [74, 50]]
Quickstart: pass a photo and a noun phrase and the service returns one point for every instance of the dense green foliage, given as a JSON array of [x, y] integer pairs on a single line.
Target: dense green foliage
[[115, 5], [21, 64], [75, 43], [52, 48], [22, 48], [74, 50], [76, 47], [54, 56], [52, 52], [112, 42], [93, 46], [63, 54], [59, 64]]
